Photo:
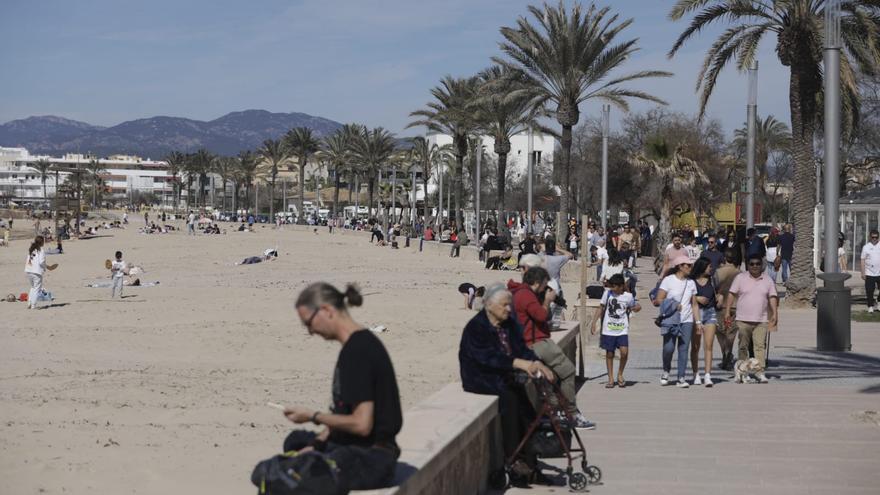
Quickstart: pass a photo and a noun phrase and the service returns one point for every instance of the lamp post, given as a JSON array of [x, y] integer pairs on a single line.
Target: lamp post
[[833, 300], [751, 118], [606, 124], [477, 225], [531, 158]]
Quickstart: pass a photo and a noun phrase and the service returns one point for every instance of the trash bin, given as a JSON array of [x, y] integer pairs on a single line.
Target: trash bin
[[833, 303]]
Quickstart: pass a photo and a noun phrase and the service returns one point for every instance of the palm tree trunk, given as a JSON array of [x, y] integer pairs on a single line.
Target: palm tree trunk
[[426, 207], [801, 285], [302, 189], [565, 193], [336, 193], [272, 198], [370, 189], [458, 191], [502, 174], [44, 188]]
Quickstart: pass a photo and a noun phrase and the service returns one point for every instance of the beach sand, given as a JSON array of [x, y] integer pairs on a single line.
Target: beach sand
[[165, 391]]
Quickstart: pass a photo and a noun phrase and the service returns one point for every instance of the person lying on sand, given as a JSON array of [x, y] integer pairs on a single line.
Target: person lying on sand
[[268, 255]]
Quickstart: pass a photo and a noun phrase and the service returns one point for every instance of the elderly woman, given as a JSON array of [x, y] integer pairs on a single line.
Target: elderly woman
[[492, 349]]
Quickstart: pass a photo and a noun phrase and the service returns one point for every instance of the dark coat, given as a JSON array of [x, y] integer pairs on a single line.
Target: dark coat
[[484, 366]]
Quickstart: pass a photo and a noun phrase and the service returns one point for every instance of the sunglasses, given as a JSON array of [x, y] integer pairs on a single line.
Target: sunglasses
[[874, 237], [756, 264], [308, 323]]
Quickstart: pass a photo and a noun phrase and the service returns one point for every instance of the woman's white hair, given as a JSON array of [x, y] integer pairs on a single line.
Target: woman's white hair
[[493, 291]]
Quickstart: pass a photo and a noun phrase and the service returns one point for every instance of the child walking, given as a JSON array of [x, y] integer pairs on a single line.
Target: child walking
[[117, 272], [614, 310]]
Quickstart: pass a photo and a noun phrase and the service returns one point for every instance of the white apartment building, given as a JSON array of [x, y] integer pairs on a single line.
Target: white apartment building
[[122, 174], [517, 159]]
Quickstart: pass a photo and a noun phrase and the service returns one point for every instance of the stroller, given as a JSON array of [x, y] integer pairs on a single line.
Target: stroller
[[550, 437]]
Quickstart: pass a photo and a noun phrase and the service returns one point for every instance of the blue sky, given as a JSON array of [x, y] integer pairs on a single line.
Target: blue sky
[[107, 61]]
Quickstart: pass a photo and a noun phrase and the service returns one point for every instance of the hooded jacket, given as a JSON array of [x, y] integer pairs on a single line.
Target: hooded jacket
[[530, 313]]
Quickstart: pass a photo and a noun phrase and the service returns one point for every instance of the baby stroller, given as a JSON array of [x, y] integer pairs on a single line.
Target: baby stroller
[[549, 436]]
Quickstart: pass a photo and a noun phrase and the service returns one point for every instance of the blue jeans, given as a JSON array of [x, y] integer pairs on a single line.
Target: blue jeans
[[771, 271], [786, 269], [680, 338]]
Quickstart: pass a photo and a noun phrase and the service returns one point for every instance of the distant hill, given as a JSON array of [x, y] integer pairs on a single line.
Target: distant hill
[[156, 136]]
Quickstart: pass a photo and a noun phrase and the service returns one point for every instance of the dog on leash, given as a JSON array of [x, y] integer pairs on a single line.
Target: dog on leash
[[743, 368]]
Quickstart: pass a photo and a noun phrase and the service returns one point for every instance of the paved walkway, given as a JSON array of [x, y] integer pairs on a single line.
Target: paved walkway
[[815, 428]]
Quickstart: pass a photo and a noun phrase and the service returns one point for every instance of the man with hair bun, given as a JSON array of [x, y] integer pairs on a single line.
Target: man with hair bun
[[365, 417]]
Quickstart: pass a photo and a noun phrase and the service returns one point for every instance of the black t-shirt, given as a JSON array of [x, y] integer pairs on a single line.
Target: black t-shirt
[[707, 291], [786, 245], [364, 373], [466, 288], [527, 246], [714, 257]]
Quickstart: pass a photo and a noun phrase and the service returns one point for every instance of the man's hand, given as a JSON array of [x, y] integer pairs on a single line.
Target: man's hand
[[863, 276], [298, 415], [539, 367], [772, 321]]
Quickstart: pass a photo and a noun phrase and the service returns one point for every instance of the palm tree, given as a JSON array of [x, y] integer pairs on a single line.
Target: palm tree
[[176, 164], [199, 165], [42, 167], [225, 167], [336, 151], [246, 174], [372, 149], [274, 152], [679, 176], [95, 170], [301, 143], [771, 136], [451, 114], [570, 58], [504, 107], [798, 28], [427, 157]]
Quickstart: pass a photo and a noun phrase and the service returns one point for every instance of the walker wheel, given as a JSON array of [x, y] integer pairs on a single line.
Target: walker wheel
[[577, 481], [499, 480], [594, 474]]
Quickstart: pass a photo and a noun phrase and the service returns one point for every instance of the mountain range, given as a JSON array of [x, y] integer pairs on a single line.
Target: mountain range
[[154, 137]]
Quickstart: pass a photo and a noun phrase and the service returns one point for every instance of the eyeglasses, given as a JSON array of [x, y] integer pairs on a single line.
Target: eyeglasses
[[308, 323]]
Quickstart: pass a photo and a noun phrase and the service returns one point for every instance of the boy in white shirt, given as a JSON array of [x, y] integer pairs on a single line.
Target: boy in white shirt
[[117, 271], [614, 313]]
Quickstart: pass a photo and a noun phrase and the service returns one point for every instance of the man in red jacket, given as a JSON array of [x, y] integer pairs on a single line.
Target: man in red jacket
[[534, 315]]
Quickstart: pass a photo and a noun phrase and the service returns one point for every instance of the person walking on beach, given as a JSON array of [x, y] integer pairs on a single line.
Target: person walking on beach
[[34, 268], [147, 218], [677, 299], [871, 268], [755, 296], [117, 275], [359, 432], [614, 314]]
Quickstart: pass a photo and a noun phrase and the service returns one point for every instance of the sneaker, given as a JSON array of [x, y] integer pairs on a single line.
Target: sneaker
[[697, 380], [664, 379], [707, 380], [762, 378], [582, 423], [870, 309], [682, 383]]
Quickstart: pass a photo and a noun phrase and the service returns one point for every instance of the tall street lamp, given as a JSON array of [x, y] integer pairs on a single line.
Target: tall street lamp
[[833, 300], [751, 119], [606, 125], [531, 158]]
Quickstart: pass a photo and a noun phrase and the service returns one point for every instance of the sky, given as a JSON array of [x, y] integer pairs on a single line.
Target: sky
[[366, 61]]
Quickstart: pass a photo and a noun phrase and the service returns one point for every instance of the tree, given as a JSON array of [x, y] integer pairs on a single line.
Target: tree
[[301, 143], [798, 27], [679, 176], [274, 152], [199, 165], [771, 136], [505, 108], [336, 150], [225, 167], [246, 173], [373, 148], [95, 170], [569, 58], [427, 157], [42, 167], [451, 114], [176, 164]]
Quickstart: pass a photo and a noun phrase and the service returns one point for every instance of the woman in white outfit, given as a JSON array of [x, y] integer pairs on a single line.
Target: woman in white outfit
[[34, 268]]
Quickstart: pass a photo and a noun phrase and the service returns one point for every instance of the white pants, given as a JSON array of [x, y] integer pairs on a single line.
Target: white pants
[[117, 287], [36, 286]]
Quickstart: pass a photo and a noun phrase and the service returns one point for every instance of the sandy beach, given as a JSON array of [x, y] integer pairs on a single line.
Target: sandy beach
[[165, 390]]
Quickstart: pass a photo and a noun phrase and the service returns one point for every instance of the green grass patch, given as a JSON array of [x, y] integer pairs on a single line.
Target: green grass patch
[[866, 317]]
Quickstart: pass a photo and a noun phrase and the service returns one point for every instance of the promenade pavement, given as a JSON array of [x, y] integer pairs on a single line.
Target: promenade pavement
[[814, 429]]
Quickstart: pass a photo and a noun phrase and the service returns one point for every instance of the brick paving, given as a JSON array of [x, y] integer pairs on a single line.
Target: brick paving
[[814, 429]]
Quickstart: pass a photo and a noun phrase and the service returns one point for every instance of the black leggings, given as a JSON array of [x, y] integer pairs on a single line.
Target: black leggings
[[360, 468], [516, 414]]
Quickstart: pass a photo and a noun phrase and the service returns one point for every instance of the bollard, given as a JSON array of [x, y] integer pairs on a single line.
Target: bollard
[[407, 240], [833, 303], [421, 243]]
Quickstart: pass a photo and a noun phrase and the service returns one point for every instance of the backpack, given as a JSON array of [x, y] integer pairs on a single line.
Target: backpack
[[292, 473]]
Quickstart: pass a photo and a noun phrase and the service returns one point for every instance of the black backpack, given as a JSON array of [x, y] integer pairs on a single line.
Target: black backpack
[[293, 473]]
